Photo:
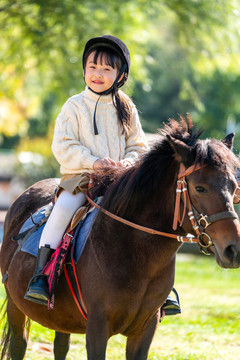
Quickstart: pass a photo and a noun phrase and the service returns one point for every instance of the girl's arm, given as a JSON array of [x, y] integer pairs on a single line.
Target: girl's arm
[[66, 146]]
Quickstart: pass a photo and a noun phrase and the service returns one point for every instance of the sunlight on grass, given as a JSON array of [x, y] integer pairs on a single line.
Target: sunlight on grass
[[207, 329]]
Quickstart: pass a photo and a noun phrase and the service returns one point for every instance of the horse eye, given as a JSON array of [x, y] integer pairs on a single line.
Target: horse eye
[[200, 189]]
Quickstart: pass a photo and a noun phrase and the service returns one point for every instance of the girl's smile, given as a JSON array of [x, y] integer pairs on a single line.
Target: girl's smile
[[99, 76]]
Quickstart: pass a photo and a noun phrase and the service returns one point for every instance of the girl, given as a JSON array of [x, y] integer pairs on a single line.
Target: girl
[[97, 128]]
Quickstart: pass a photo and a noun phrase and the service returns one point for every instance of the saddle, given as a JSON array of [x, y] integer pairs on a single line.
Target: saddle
[[68, 251]]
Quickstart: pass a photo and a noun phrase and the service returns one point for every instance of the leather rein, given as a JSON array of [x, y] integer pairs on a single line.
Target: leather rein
[[199, 221]]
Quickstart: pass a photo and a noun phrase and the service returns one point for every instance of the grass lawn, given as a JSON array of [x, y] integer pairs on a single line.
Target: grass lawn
[[208, 328]]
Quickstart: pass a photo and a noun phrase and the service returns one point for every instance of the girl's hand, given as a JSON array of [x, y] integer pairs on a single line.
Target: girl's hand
[[124, 163], [106, 162]]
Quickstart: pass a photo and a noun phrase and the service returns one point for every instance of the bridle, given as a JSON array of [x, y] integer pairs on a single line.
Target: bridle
[[198, 220]]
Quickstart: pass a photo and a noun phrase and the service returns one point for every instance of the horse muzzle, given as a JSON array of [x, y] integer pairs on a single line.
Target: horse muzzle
[[227, 257], [230, 257]]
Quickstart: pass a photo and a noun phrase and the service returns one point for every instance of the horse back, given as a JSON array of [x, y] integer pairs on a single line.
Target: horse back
[[33, 198]]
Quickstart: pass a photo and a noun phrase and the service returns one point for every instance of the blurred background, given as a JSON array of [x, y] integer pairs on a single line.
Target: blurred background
[[185, 59]]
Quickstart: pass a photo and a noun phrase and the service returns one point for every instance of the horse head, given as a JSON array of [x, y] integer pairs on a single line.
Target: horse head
[[206, 182], [211, 186]]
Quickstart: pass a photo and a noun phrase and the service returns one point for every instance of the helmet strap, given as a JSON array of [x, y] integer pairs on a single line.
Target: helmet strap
[[94, 117]]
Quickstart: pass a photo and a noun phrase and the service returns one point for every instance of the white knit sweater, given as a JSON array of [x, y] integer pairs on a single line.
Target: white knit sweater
[[75, 145]]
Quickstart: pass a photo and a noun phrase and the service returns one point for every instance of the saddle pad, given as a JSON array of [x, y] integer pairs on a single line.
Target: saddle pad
[[80, 234], [31, 244]]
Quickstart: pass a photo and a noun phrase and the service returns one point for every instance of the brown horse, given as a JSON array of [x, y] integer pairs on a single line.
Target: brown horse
[[126, 274]]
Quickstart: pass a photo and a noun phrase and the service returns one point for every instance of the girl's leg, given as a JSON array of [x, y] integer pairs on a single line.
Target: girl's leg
[[61, 215], [52, 234]]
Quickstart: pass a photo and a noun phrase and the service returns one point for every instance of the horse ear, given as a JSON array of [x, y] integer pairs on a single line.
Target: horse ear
[[182, 151], [228, 140]]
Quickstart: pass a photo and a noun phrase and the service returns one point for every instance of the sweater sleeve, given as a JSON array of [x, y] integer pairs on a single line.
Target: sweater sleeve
[[136, 142], [66, 145]]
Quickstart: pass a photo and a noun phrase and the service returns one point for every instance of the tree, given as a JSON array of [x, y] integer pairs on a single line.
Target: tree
[[193, 67], [42, 42]]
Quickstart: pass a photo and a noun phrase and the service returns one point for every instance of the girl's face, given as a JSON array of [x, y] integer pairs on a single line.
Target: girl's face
[[99, 76]]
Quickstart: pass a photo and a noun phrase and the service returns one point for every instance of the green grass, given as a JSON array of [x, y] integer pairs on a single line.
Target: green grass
[[209, 327]]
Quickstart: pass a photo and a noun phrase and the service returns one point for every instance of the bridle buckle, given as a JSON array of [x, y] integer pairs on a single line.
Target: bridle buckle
[[205, 248], [204, 219]]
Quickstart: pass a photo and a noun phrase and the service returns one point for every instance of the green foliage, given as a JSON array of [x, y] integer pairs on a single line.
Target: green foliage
[[39, 125], [184, 59], [37, 168], [168, 73], [220, 109], [36, 161]]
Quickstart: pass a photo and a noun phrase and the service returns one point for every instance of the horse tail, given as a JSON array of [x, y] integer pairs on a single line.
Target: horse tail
[[7, 333]]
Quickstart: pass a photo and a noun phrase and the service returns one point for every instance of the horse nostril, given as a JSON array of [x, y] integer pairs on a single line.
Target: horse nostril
[[232, 253]]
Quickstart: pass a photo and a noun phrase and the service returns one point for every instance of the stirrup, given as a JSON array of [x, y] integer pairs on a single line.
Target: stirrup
[[40, 293], [42, 299], [171, 306]]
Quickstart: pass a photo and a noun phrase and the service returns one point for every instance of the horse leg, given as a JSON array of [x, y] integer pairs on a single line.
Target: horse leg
[[138, 345], [61, 345], [96, 337], [17, 324]]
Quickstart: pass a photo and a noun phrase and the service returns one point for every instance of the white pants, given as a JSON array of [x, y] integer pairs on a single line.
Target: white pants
[[60, 217]]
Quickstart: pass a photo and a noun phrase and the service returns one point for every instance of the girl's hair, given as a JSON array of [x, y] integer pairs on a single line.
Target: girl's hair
[[121, 101]]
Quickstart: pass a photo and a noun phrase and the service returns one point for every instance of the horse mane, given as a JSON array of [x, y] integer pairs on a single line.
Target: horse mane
[[136, 185]]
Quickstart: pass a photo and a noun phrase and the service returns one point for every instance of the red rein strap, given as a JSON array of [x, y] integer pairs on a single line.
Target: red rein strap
[[73, 293], [80, 304]]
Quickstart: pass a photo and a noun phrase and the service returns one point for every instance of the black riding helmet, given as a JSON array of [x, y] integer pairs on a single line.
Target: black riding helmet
[[116, 45]]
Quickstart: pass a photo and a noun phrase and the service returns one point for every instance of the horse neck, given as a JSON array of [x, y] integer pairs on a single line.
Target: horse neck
[[117, 242], [156, 206]]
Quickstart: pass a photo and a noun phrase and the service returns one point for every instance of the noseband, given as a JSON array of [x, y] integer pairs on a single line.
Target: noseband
[[199, 221]]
